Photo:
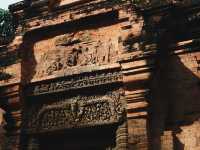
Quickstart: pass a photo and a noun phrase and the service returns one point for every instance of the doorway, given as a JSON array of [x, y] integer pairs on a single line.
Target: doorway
[[94, 138]]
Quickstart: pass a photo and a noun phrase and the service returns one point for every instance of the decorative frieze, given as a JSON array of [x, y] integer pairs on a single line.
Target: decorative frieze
[[76, 112], [75, 82]]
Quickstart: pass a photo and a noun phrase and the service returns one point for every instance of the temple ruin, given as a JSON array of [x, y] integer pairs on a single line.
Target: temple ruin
[[102, 75]]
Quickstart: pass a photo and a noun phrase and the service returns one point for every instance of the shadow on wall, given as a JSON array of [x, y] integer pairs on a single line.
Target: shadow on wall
[[174, 93], [174, 88]]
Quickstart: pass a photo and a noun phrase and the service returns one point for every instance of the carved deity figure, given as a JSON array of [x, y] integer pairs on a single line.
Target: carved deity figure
[[72, 58], [102, 53], [88, 57], [55, 65], [76, 110]]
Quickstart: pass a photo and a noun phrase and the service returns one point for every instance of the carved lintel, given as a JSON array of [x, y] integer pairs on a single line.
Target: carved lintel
[[75, 112]]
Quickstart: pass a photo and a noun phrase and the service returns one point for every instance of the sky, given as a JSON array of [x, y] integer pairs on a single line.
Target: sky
[[4, 3]]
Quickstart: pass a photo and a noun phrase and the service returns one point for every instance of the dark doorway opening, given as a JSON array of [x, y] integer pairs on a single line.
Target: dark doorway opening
[[94, 138]]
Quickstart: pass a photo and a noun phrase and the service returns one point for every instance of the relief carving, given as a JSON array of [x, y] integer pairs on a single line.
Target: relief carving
[[130, 43], [77, 49], [75, 112], [67, 40], [82, 81], [55, 65]]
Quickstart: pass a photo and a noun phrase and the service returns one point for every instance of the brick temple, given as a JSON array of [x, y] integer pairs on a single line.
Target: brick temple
[[102, 75]]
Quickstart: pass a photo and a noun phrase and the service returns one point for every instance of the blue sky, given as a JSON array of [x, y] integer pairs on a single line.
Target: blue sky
[[4, 3]]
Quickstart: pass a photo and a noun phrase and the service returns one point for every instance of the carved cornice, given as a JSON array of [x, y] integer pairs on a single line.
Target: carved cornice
[[67, 13], [17, 6]]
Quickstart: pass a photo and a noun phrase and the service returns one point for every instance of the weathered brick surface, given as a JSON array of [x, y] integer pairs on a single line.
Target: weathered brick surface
[[137, 134], [189, 136], [162, 93], [167, 141]]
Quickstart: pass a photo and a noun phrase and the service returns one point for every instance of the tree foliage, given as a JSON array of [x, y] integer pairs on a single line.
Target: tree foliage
[[6, 27]]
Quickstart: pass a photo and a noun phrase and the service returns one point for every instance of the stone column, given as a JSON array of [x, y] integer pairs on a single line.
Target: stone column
[[122, 137]]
